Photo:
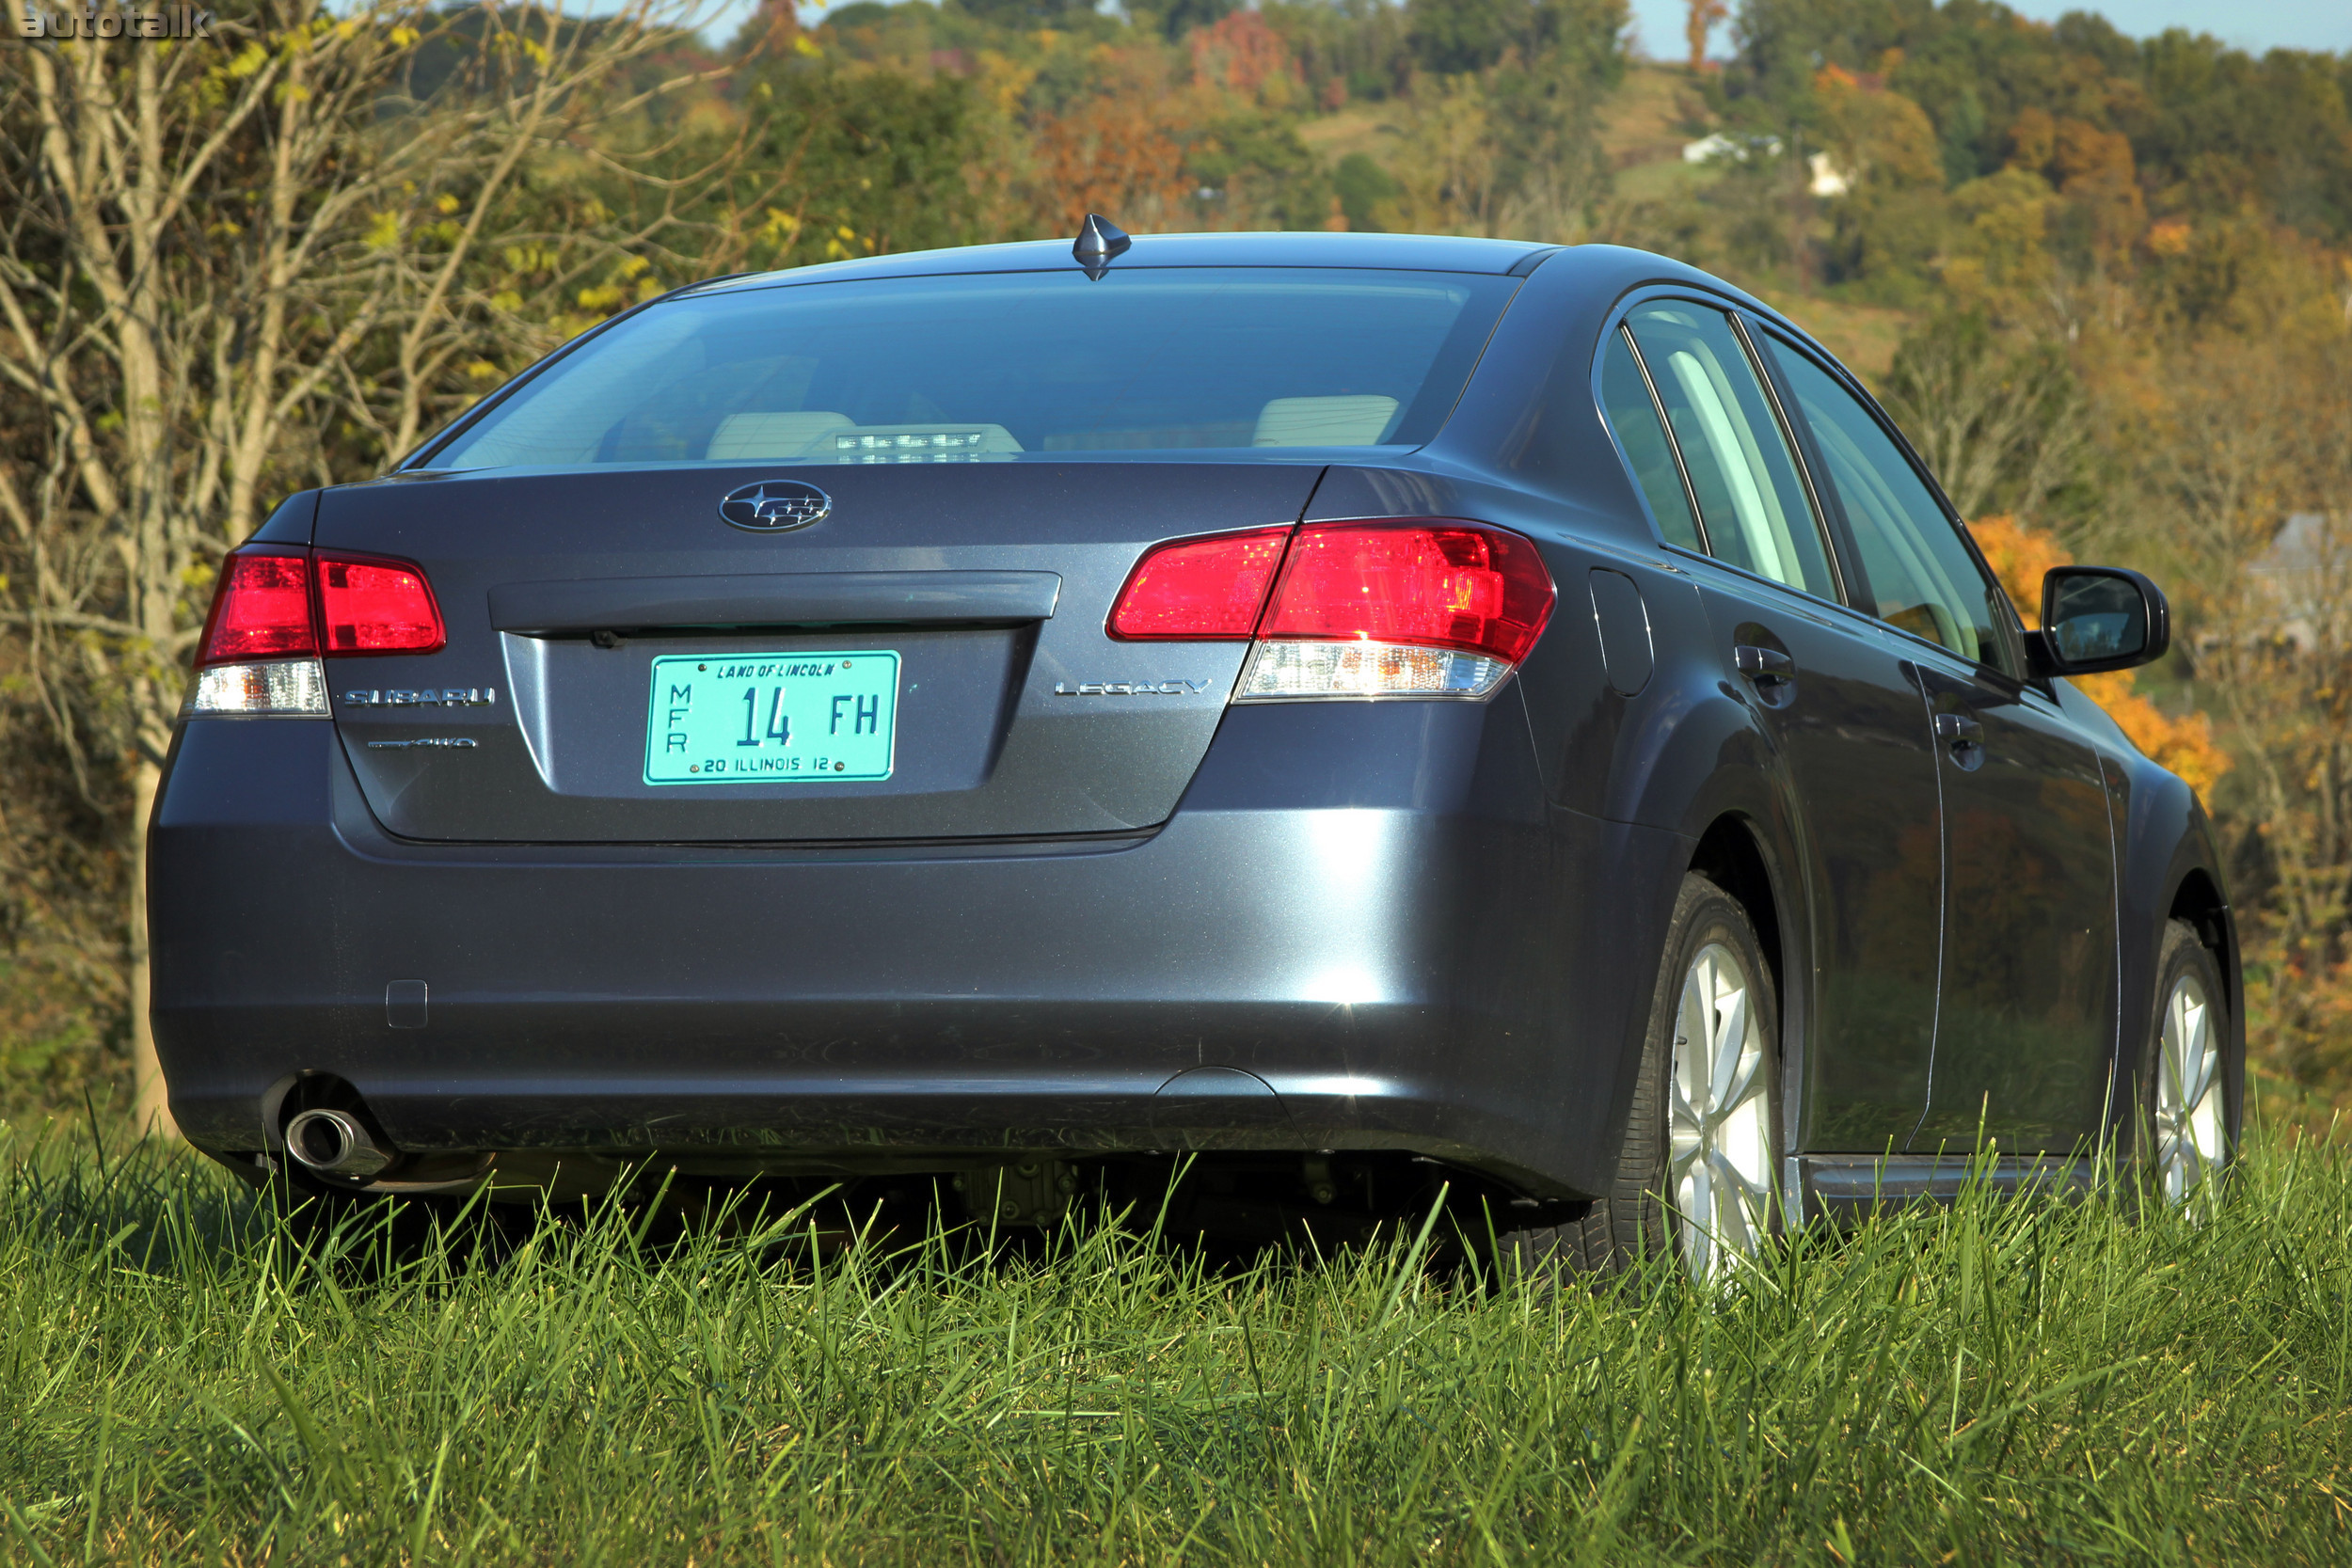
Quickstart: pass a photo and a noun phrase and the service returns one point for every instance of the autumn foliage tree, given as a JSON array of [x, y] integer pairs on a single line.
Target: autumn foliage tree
[[2183, 743], [233, 267]]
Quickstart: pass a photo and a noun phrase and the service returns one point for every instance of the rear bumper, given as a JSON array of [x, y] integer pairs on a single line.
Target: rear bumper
[[1362, 929]]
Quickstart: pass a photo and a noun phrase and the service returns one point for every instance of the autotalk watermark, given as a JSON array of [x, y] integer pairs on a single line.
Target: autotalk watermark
[[91, 22]]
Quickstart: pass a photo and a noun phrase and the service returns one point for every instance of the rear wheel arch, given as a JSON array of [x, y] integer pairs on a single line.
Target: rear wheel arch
[[2196, 899], [1737, 854], [1746, 829], [1731, 854]]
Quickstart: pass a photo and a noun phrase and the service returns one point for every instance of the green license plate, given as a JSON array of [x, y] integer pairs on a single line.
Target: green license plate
[[772, 718]]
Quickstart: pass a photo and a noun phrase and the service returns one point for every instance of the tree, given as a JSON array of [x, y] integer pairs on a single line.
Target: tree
[[214, 251], [857, 164], [2004, 426], [1182, 16], [1453, 36], [1704, 15], [1363, 186], [2243, 433]]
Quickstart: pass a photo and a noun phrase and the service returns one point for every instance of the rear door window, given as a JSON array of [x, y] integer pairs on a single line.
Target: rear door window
[[1922, 578], [1634, 417], [1752, 504]]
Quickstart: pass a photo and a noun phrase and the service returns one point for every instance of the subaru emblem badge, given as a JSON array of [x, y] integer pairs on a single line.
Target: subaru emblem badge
[[774, 505]]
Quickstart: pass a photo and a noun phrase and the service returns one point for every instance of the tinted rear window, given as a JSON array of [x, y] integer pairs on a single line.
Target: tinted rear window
[[998, 366]]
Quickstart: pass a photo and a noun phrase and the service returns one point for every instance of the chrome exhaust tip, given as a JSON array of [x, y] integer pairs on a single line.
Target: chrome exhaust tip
[[334, 1144]]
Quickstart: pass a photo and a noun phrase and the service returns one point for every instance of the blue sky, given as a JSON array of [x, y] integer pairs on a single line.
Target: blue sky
[[2251, 24]]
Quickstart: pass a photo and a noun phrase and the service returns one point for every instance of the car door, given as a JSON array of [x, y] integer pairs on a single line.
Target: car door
[[2027, 1020], [1833, 693]]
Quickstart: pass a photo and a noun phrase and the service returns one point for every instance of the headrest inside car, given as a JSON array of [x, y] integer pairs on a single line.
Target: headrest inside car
[[759, 436], [1343, 422]]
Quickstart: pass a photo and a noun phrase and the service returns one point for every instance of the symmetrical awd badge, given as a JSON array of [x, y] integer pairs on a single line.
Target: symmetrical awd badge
[[773, 505]]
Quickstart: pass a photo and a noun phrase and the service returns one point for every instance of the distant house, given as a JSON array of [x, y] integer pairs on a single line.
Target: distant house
[[1707, 149], [1826, 180], [2305, 574]]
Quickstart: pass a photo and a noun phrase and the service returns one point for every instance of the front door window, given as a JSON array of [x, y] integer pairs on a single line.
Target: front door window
[[1922, 578]]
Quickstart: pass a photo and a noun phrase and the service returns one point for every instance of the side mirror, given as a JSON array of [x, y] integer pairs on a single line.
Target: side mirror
[[2096, 618]]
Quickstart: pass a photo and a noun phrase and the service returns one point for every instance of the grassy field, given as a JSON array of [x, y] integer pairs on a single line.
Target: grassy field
[[1998, 1384]]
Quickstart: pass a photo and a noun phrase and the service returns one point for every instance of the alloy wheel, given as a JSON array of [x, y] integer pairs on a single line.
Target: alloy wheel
[[2191, 1144], [1720, 1159]]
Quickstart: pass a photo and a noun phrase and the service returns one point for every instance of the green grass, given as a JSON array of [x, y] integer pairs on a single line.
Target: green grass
[[1999, 1384]]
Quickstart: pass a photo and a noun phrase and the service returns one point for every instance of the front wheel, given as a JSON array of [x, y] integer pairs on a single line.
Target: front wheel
[[1695, 1170], [2188, 1097]]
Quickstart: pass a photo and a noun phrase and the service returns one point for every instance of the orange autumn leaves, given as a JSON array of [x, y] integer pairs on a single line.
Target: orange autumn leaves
[[2019, 556]]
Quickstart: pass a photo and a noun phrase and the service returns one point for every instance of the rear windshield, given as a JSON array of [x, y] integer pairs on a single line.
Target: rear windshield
[[995, 366]]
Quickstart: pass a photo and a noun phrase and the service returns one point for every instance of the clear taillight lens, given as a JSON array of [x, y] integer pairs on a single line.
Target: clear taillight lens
[[368, 606], [1200, 589], [1280, 672], [266, 689]]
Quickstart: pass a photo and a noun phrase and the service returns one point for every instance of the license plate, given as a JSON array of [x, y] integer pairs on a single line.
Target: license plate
[[772, 718]]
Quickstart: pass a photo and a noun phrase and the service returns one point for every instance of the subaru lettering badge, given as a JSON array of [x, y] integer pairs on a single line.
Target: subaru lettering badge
[[774, 505]]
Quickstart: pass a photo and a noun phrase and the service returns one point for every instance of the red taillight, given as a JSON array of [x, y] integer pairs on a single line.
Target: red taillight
[[1200, 589], [377, 607], [274, 606], [1425, 585], [262, 609]]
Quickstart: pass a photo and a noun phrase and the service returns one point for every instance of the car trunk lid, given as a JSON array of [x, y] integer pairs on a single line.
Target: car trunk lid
[[590, 612]]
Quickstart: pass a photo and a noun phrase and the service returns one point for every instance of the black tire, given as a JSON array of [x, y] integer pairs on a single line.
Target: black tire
[[1637, 1218], [2161, 1130]]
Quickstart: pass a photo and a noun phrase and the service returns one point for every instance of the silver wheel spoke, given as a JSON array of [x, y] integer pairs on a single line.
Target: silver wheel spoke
[[1731, 1181], [1699, 1197], [1737, 1236], [1685, 1113], [2200, 1081], [1693, 1023], [1720, 1117], [1731, 1035], [2185, 1123], [1745, 1086], [1740, 1236]]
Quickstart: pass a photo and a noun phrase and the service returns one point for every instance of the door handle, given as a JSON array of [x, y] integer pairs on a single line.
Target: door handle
[[1764, 666], [1964, 738]]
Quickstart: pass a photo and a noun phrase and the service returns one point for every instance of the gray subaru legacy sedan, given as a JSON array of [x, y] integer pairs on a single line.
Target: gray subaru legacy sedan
[[1337, 714]]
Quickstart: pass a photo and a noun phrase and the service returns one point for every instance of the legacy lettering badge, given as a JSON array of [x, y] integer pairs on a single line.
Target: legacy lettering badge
[[1130, 688]]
